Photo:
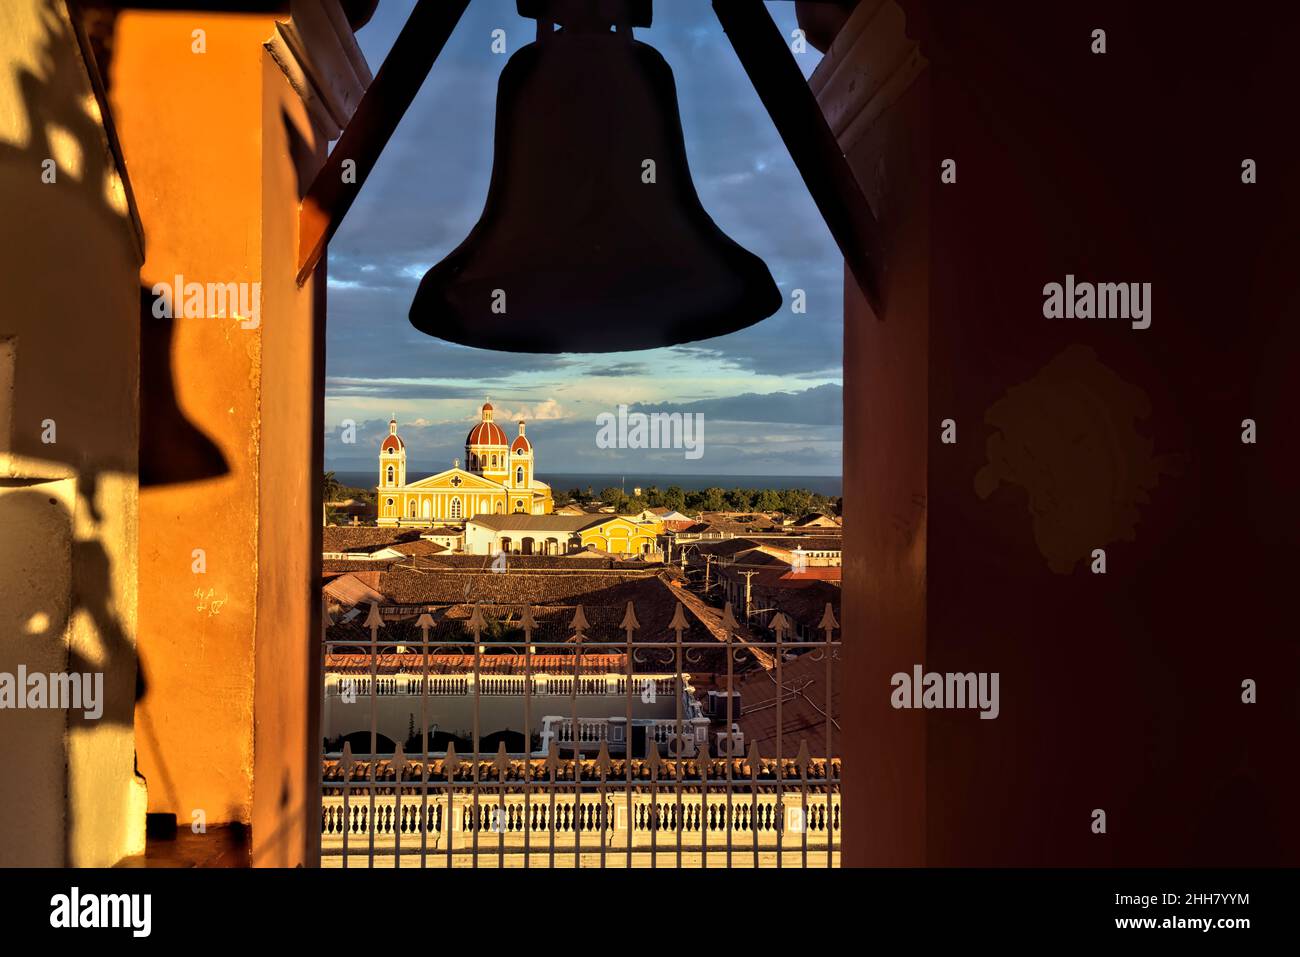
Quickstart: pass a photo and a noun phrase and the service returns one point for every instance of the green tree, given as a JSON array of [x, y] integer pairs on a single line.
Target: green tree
[[674, 498], [796, 501], [332, 487], [713, 499], [740, 500], [615, 497]]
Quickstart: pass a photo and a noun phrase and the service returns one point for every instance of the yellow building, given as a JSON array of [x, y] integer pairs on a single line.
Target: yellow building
[[561, 534], [621, 535], [498, 480]]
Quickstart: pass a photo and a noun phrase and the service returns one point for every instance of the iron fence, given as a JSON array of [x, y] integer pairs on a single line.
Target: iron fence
[[638, 788]]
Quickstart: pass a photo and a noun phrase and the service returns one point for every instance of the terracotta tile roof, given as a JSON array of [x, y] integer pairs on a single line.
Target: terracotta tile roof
[[750, 519], [727, 546], [489, 664], [718, 528], [420, 547], [814, 517], [342, 538], [826, 573], [353, 588], [594, 560], [758, 558], [804, 599], [803, 706], [783, 541], [534, 523], [715, 769], [809, 543], [333, 566], [519, 586], [553, 600], [711, 618]]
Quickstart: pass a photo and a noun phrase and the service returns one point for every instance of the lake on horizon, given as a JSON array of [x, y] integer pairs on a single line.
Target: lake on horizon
[[563, 481]]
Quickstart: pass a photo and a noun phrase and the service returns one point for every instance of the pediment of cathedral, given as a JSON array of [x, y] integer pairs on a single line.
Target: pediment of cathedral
[[456, 480]]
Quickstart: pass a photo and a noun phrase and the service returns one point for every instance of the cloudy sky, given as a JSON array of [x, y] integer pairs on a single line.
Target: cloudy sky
[[770, 394]]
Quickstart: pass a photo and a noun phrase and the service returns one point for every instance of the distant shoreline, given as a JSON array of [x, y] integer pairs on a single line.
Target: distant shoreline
[[831, 485]]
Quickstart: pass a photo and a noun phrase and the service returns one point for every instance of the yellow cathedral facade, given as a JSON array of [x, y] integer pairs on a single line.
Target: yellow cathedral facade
[[497, 479]]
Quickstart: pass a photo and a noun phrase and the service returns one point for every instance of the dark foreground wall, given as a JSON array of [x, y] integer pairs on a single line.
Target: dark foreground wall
[[1119, 691]]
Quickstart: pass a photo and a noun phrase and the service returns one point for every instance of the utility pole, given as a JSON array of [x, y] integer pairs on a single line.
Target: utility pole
[[708, 565], [748, 576]]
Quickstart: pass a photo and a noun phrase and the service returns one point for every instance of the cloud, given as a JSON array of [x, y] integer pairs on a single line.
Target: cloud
[[752, 434], [822, 405], [546, 410], [427, 191]]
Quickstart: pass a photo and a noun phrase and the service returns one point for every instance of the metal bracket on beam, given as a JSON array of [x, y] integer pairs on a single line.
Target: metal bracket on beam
[[798, 118], [381, 108]]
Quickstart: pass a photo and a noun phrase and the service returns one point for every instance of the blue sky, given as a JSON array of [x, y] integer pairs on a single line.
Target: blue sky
[[770, 394]]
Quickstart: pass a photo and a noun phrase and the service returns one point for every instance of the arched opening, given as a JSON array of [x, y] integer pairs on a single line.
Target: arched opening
[[390, 475], [360, 741], [438, 741], [445, 575], [514, 741]]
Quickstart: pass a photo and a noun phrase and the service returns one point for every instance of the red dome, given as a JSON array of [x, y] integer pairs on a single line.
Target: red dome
[[487, 406], [486, 433], [520, 444], [391, 442]]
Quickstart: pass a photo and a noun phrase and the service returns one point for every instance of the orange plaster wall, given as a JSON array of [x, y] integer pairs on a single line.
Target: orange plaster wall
[[224, 148], [190, 126], [286, 789]]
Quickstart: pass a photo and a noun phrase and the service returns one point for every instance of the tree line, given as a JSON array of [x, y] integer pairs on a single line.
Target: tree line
[[790, 501]]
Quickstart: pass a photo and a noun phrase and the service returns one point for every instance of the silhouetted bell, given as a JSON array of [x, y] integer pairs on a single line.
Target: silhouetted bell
[[575, 251]]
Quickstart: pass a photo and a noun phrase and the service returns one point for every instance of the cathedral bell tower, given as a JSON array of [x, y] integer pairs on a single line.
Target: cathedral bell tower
[[521, 460], [392, 458]]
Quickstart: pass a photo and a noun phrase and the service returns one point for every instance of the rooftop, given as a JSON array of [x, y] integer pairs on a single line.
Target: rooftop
[[534, 523], [803, 706], [488, 664], [343, 538]]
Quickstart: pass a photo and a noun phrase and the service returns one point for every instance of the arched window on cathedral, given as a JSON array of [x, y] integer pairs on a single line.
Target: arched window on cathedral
[[494, 461], [390, 475], [412, 509], [519, 475], [473, 462], [455, 507]]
